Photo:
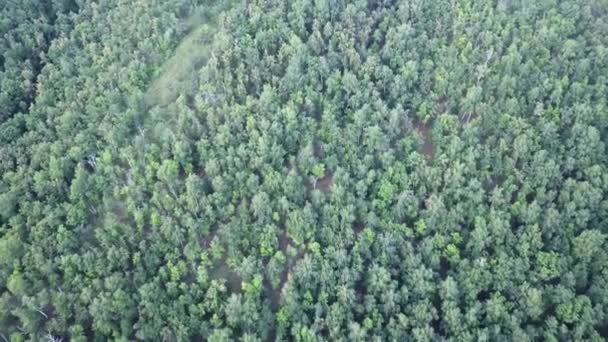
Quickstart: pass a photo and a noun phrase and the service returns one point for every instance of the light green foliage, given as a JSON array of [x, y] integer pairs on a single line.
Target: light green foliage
[[318, 170], [420, 227], [254, 287], [549, 264]]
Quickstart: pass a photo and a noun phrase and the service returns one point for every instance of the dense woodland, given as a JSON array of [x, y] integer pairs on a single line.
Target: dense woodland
[[305, 170]]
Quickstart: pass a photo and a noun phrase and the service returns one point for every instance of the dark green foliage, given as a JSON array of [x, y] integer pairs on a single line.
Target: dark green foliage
[[304, 170]]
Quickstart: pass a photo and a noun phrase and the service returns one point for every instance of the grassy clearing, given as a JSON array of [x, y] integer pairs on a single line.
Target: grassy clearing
[[179, 74]]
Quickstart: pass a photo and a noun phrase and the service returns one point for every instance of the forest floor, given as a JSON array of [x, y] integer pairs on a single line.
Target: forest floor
[[275, 295], [233, 279], [424, 130]]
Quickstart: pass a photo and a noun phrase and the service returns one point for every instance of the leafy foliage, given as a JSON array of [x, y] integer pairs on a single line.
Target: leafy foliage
[[304, 170]]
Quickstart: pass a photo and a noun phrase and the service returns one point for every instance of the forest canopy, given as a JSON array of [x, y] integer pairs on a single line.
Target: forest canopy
[[304, 170]]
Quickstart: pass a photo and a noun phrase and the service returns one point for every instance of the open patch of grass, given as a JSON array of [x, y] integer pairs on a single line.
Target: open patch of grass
[[179, 74]]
